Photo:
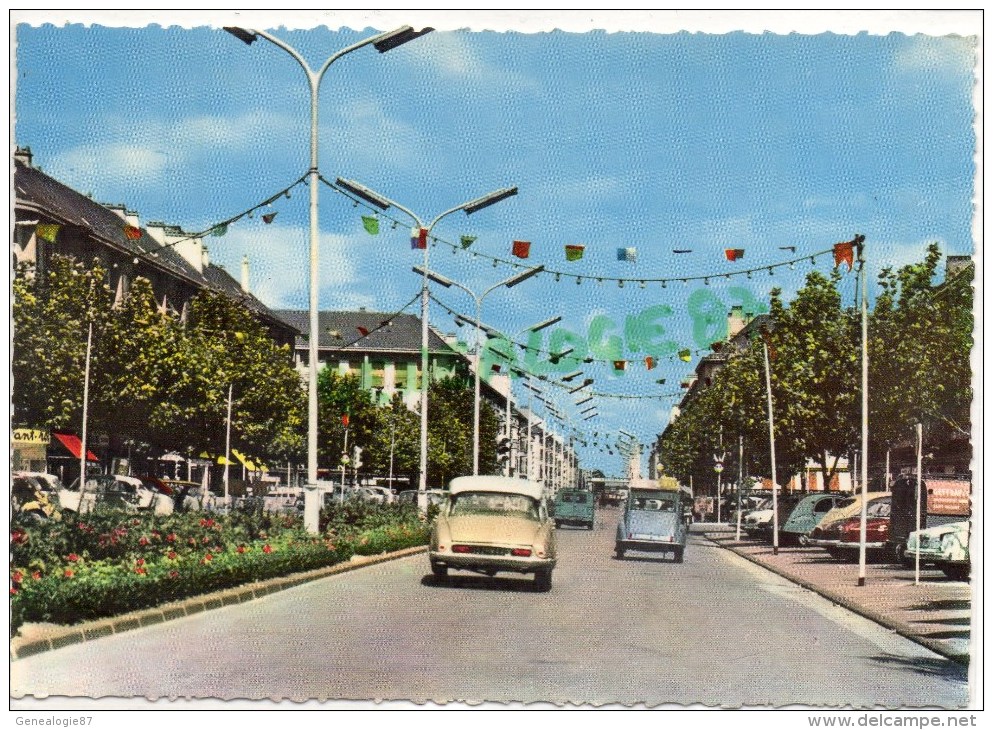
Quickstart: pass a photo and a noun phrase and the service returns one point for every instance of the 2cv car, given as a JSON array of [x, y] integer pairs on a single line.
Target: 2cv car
[[653, 521]]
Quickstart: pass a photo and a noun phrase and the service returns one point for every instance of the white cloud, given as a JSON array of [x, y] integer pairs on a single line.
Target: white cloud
[[452, 57], [948, 54]]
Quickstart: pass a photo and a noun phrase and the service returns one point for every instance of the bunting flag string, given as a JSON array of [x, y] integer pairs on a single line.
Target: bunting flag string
[[556, 357], [576, 252], [221, 227], [365, 331], [466, 241]]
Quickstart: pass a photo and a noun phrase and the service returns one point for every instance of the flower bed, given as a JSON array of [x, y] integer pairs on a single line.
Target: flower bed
[[108, 563]]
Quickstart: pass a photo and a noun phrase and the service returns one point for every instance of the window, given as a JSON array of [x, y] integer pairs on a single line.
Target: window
[[376, 375], [824, 505], [400, 378], [483, 503]]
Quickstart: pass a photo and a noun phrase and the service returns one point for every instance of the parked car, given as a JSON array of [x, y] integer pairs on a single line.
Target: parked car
[[574, 507], [945, 546], [282, 500], [827, 533], [877, 531], [190, 496], [652, 521], [30, 498], [114, 491], [492, 524], [809, 511], [436, 497]]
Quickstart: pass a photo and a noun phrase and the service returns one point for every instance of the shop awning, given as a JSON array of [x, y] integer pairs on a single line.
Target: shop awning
[[74, 446]]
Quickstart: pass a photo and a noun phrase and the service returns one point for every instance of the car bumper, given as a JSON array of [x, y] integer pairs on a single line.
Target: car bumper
[[650, 546], [932, 556], [855, 546], [575, 520], [498, 563], [823, 543]]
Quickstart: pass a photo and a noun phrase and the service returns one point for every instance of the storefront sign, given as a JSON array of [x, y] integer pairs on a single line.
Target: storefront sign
[[30, 437]]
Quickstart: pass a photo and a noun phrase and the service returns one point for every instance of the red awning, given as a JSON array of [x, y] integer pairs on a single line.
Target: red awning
[[74, 445]]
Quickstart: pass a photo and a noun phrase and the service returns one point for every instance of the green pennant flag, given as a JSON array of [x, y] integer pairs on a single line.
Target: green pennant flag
[[371, 224], [219, 230], [47, 231], [684, 355], [467, 241], [574, 252]]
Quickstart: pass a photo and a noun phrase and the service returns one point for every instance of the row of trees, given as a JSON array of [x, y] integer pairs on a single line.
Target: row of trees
[[920, 340], [160, 381]]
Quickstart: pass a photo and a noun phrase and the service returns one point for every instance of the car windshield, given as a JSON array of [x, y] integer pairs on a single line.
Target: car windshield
[[650, 504], [878, 509], [488, 503]]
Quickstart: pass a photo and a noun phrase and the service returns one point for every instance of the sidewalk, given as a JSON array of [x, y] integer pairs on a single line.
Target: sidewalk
[[936, 613]]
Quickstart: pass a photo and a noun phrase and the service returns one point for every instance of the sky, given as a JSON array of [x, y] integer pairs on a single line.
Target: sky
[[643, 137]]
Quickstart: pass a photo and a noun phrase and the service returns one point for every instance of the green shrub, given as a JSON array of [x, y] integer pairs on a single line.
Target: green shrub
[[105, 564]]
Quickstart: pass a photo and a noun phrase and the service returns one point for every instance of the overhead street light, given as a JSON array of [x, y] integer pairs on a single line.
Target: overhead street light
[[547, 323], [478, 299], [383, 42], [572, 376], [469, 207], [592, 415], [587, 381], [584, 400]]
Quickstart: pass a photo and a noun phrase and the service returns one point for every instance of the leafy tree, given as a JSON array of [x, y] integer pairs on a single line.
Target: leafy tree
[[338, 396], [397, 431], [450, 425], [51, 316]]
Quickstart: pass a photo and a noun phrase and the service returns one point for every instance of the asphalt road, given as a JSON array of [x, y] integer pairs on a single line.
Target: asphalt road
[[714, 630]]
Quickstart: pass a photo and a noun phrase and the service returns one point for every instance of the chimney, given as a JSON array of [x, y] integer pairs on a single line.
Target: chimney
[[204, 257], [245, 287], [736, 320], [23, 155], [117, 209], [180, 242]]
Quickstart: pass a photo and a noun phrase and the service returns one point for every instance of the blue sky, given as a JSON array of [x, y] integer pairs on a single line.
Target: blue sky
[[653, 140]]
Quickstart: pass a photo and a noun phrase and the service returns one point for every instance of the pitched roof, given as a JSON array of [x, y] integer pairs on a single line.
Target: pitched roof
[[387, 332], [45, 195]]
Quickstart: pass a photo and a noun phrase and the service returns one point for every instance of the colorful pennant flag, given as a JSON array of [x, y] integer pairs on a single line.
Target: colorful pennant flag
[[467, 241], [574, 252], [791, 249], [363, 331], [419, 238], [650, 362], [219, 230], [620, 364], [495, 367], [733, 254], [344, 420], [47, 231], [269, 217], [521, 249], [660, 381], [132, 232], [682, 250], [684, 355], [844, 252], [627, 254], [371, 224]]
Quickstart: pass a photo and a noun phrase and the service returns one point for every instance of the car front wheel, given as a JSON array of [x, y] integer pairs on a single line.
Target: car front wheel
[[956, 572], [677, 556], [619, 552], [543, 580], [440, 571]]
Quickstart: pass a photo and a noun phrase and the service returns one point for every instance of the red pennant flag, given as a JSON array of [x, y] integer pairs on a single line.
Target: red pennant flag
[[521, 249], [495, 367], [344, 420], [650, 362], [620, 364], [733, 254], [363, 331], [132, 232], [844, 252], [268, 217]]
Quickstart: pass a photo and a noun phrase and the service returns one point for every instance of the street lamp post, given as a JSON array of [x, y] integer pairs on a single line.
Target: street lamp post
[[383, 42], [469, 207], [509, 283]]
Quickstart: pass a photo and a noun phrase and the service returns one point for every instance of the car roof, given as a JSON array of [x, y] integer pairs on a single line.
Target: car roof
[[507, 485]]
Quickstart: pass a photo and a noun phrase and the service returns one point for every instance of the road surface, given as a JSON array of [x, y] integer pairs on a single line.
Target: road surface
[[715, 630]]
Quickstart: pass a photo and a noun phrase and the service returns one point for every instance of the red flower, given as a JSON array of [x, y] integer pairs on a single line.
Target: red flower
[[17, 577], [267, 549], [171, 537], [173, 573], [143, 541], [171, 555], [36, 575], [193, 541], [241, 549], [140, 571], [13, 591], [72, 557], [68, 573], [19, 537], [139, 562], [207, 558]]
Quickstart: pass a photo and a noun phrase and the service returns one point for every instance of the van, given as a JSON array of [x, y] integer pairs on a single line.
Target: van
[[574, 507]]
